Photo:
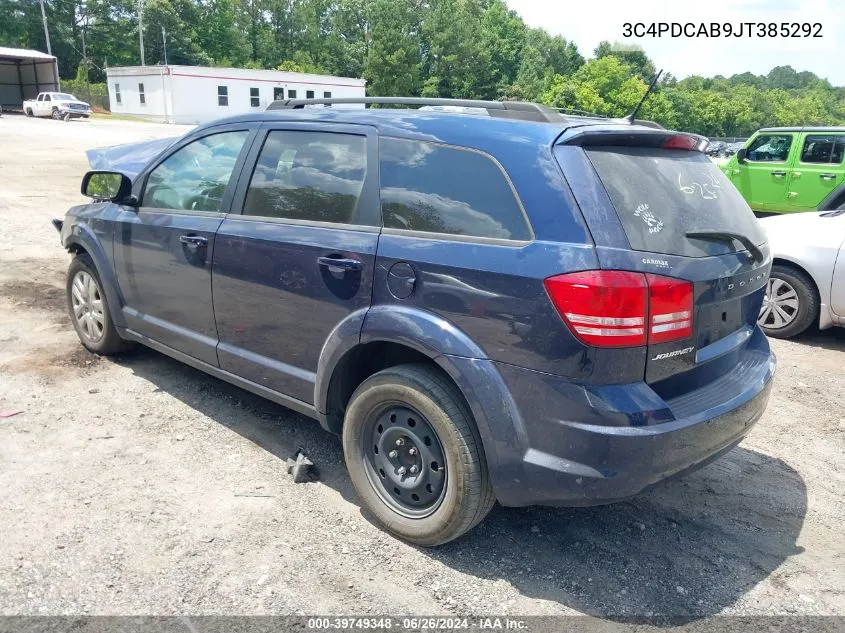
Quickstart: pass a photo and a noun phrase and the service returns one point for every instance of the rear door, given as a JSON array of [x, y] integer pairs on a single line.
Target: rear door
[[163, 249], [300, 257], [818, 170], [764, 175], [652, 199]]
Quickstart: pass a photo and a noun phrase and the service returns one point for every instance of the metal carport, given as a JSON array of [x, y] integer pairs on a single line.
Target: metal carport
[[23, 74]]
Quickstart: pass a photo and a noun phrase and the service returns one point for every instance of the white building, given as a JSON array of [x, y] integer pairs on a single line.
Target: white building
[[195, 94]]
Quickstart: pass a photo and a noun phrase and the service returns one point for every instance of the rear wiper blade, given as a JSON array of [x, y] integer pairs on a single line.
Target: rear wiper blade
[[719, 235]]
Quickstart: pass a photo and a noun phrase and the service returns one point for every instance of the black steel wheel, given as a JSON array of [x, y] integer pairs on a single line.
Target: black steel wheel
[[404, 460], [415, 456]]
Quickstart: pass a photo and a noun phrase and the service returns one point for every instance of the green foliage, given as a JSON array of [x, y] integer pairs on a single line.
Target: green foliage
[[441, 48]]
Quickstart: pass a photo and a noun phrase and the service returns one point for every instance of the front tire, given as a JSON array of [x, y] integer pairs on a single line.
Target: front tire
[[89, 309], [415, 456], [791, 304], [56, 115]]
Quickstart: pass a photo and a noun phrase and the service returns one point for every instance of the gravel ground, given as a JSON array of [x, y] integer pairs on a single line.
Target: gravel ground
[[141, 486]]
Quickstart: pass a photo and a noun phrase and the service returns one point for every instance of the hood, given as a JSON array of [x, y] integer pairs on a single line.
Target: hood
[[128, 159]]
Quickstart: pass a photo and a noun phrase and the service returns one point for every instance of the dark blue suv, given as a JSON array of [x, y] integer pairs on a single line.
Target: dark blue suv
[[488, 301]]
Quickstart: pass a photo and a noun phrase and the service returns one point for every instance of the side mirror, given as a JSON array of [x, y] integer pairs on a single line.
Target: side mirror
[[108, 185], [740, 155]]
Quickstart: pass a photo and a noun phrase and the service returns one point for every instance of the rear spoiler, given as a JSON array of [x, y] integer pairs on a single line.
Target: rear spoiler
[[631, 136]]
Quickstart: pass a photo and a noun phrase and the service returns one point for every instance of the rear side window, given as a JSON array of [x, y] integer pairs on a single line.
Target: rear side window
[[770, 148], [313, 176], [825, 149], [661, 195], [449, 190]]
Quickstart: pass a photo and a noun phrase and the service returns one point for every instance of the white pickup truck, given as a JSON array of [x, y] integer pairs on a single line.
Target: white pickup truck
[[59, 105]]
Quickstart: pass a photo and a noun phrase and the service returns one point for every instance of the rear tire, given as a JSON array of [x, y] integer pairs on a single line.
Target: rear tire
[[89, 309], [437, 424], [29, 112], [791, 304]]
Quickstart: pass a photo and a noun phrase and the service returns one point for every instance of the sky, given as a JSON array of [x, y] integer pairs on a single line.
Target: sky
[[588, 22]]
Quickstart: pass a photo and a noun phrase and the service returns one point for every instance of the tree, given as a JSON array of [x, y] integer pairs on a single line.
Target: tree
[[393, 63], [503, 35], [630, 54], [457, 64]]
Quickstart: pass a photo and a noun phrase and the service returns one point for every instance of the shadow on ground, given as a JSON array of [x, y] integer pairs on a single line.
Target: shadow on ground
[[689, 547], [833, 339]]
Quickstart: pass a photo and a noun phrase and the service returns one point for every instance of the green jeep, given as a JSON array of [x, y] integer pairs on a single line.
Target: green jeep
[[787, 169]]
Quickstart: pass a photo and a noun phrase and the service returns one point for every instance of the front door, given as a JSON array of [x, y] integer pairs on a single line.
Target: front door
[[44, 105], [764, 175], [818, 170], [163, 249], [300, 258]]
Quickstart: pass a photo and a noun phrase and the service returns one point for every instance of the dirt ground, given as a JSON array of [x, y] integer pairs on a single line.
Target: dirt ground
[[141, 486]]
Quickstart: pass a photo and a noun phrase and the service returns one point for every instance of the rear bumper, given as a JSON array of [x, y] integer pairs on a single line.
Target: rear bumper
[[589, 446]]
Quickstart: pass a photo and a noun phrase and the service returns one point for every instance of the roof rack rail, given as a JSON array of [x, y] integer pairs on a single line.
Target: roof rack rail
[[522, 110], [583, 113]]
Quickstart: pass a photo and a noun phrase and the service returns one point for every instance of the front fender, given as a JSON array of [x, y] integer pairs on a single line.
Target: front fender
[[79, 233]]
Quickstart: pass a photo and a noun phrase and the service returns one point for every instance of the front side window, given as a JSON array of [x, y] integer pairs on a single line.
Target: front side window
[[291, 94], [223, 95], [117, 93], [439, 189], [47, 98], [309, 94], [195, 177], [327, 95], [254, 100], [826, 149], [141, 96], [311, 176], [770, 148]]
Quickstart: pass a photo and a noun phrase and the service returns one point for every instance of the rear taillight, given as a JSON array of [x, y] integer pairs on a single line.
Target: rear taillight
[[669, 309], [615, 308]]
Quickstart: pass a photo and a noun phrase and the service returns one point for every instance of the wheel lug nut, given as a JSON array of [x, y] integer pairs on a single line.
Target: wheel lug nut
[[400, 441], [412, 451], [401, 470], [393, 454], [414, 469]]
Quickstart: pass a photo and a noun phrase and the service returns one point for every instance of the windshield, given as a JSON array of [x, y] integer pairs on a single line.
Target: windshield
[[661, 195], [62, 96]]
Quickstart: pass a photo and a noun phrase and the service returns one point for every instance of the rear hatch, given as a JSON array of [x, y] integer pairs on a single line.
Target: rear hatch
[[655, 204]]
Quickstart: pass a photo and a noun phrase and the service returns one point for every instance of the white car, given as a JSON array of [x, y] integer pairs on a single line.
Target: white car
[[58, 105], [807, 283]]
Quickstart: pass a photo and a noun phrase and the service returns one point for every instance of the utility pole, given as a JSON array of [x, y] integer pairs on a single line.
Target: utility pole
[[46, 30], [85, 61], [164, 41], [141, 28]]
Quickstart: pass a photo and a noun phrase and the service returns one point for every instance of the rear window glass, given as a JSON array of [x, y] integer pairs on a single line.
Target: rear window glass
[[450, 190], [661, 195]]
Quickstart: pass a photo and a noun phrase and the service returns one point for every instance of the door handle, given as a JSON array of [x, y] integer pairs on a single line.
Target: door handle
[[736, 172], [778, 174], [827, 176], [193, 241], [344, 263]]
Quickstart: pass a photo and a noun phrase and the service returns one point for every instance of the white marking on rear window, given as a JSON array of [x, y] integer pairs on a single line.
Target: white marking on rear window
[[707, 189], [654, 224]]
